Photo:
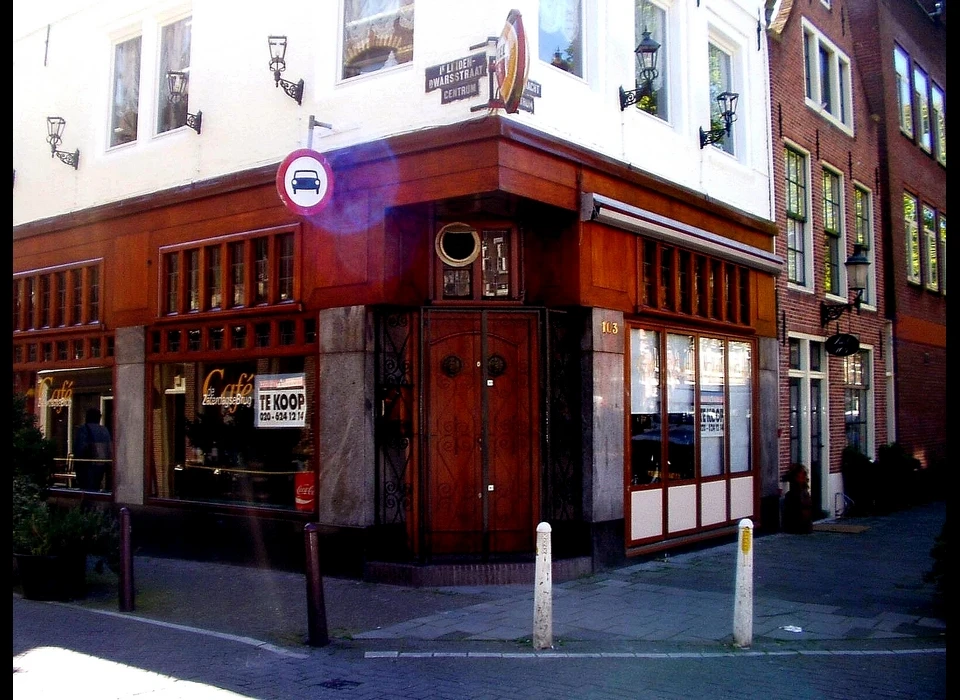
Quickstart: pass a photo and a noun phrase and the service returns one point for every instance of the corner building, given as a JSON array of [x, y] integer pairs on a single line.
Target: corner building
[[564, 313]]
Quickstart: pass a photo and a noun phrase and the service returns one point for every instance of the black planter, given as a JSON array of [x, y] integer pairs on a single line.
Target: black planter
[[53, 577]]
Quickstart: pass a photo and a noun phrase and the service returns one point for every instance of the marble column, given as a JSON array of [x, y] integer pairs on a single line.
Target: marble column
[[129, 405]]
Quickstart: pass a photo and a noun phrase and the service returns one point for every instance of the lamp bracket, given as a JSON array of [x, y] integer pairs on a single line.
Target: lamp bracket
[[832, 312], [69, 158], [294, 90], [194, 120], [711, 136], [631, 97]]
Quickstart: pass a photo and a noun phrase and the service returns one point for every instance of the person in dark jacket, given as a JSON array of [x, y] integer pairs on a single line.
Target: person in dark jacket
[[92, 452]]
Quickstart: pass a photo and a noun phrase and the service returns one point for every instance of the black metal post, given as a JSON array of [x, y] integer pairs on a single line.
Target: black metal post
[[126, 562], [316, 610]]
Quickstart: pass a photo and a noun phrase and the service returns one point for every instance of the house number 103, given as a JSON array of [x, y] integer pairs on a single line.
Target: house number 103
[[611, 327]]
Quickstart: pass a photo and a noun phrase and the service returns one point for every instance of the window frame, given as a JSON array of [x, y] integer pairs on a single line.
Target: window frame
[[904, 90], [120, 111], [921, 106], [727, 83], [282, 281], [864, 236], [356, 46], [554, 58], [858, 383], [832, 206], [805, 265], [928, 246], [172, 116], [656, 104], [912, 237], [938, 121], [836, 69]]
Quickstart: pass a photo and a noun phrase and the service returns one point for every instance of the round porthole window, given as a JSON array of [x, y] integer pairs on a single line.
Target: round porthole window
[[458, 244]]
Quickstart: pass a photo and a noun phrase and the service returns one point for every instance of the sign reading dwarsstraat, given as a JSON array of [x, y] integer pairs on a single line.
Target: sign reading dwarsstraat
[[280, 401], [457, 79]]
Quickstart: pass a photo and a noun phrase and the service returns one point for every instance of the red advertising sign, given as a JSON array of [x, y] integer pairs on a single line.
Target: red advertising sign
[[512, 62], [305, 491]]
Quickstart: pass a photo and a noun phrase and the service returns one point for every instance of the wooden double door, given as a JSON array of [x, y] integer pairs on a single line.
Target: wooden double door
[[482, 403]]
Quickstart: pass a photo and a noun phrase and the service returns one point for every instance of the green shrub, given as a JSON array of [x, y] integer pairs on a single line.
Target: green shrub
[[32, 453], [44, 530]]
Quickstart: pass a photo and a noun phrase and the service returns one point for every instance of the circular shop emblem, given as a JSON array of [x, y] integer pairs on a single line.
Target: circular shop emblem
[[512, 62], [305, 182]]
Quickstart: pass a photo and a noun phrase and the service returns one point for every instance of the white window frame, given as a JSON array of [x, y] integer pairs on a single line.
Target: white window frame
[[870, 293], [341, 49], [912, 239], [808, 276], [841, 232], [729, 144], [664, 62], [162, 85], [868, 373], [942, 236], [546, 53], [806, 375], [839, 73], [136, 35]]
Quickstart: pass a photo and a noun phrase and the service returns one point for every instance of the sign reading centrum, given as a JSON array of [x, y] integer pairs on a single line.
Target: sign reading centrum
[[305, 181], [458, 79]]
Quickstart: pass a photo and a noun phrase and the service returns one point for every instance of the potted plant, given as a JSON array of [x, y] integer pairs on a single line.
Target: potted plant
[[51, 544]]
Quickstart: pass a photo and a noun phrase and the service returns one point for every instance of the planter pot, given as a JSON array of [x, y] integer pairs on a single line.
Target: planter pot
[[52, 577]]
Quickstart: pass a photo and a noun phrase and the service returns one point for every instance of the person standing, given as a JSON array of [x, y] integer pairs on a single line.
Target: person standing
[[92, 451]]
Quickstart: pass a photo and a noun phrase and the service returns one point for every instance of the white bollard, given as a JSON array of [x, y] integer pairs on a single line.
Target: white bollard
[[543, 591], [743, 601]]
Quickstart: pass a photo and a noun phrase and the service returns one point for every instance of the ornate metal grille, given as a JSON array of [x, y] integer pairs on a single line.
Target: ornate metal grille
[[394, 416]]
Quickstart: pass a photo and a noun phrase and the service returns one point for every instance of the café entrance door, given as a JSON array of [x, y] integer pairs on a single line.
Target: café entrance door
[[482, 402]]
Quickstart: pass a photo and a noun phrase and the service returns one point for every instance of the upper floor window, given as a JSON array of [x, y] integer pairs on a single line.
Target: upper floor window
[[863, 231], [561, 34], [827, 78], [901, 66], [943, 253], [796, 210], [922, 103], [377, 34], [125, 96], [911, 217], [939, 119], [721, 80], [655, 97], [68, 296], [174, 56], [832, 229]]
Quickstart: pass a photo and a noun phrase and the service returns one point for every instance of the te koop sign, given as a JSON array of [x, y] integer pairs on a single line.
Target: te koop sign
[[280, 401]]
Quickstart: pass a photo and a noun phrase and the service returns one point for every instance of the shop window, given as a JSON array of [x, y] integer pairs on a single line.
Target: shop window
[[61, 350], [285, 246], [309, 330], [194, 339], [716, 288], [667, 279], [93, 294], [684, 282], [561, 34], [377, 35], [30, 298], [214, 277], [174, 56], [77, 277], [17, 354], [707, 383], [126, 92], [173, 340], [172, 273], [32, 352], [47, 352], [193, 280], [95, 347], [211, 444], [65, 402], [261, 262], [731, 292], [77, 349], [155, 341], [649, 267]]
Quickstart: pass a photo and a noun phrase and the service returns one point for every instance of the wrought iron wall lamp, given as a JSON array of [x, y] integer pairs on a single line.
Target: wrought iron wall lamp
[[646, 53], [55, 127], [177, 82], [278, 49], [727, 102], [857, 266]]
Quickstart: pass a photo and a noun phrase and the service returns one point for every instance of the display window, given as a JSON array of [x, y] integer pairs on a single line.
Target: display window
[[75, 411], [691, 406], [238, 433]]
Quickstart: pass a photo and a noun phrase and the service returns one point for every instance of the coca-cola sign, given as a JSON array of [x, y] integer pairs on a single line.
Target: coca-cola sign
[[305, 491]]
